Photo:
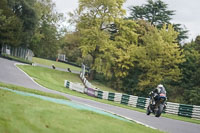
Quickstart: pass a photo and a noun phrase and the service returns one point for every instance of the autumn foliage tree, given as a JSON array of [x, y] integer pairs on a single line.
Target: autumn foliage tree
[[93, 22], [161, 57]]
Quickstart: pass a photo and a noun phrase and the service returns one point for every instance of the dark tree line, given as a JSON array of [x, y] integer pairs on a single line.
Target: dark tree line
[[158, 14], [31, 24]]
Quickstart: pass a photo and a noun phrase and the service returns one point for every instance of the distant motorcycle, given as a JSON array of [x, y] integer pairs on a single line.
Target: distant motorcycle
[[156, 107]]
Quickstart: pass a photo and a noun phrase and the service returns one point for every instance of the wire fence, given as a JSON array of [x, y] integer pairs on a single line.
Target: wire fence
[[19, 52]]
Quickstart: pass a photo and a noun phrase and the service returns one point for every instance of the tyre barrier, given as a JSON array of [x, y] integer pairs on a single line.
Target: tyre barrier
[[196, 112], [141, 102], [125, 99], [185, 110], [90, 92], [118, 97], [67, 84], [105, 95], [74, 86], [99, 94], [111, 96], [133, 101]]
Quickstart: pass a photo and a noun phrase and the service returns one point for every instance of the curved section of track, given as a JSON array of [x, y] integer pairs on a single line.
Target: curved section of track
[[9, 73]]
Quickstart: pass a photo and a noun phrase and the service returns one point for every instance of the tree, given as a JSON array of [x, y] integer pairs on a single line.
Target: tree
[[10, 30], [154, 12], [45, 42], [160, 58], [117, 58], [197, 42], [191, 73], [70, 47], [157, 14], [10, 26], [93, 20], [125, 42], [25, 11]]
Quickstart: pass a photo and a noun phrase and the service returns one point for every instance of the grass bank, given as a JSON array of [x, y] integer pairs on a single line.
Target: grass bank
[[64, 66], [19, 88], [57, 64]]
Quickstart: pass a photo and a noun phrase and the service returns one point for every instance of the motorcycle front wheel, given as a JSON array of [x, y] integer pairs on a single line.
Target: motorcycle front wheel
[[160, 109], [148, 112]]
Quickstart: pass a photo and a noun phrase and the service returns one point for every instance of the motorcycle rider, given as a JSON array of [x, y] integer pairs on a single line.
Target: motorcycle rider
[[155, 94]]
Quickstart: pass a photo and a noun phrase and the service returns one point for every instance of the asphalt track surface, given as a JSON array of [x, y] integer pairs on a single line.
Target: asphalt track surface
[[9, 73]]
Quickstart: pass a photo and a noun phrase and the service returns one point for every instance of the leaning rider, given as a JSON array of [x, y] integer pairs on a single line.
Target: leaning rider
[[155, 93]]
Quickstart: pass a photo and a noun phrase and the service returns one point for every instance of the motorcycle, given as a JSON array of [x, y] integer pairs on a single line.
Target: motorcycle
[[157, 106]]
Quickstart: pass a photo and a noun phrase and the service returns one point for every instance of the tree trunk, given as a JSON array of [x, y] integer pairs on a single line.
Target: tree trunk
[[92, 75]]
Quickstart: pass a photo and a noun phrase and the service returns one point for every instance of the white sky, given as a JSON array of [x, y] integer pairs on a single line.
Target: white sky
[[187, 12]]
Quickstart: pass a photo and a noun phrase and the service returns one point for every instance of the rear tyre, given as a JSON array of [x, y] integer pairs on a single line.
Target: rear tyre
[[160, 109]]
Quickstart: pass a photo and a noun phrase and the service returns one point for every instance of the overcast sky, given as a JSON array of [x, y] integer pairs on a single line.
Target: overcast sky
[[187, 12]]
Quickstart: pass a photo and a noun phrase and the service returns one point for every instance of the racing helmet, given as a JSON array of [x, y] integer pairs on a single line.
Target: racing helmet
[[160, 88]]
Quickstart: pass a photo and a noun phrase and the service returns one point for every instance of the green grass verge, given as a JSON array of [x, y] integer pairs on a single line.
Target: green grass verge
[[24, 114], [19, 88], [181, 118], [103, 87], [63, 65], [57, 64], [54, 80]]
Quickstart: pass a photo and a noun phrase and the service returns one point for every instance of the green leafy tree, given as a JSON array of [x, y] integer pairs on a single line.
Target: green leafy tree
[[118, 57], [25, 11], [191, 73], [45, 42], [70, 47], [197, 42], [131, 81], [160, 58], [10, 30], [93, 20], [10, 26], [157, 14]]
